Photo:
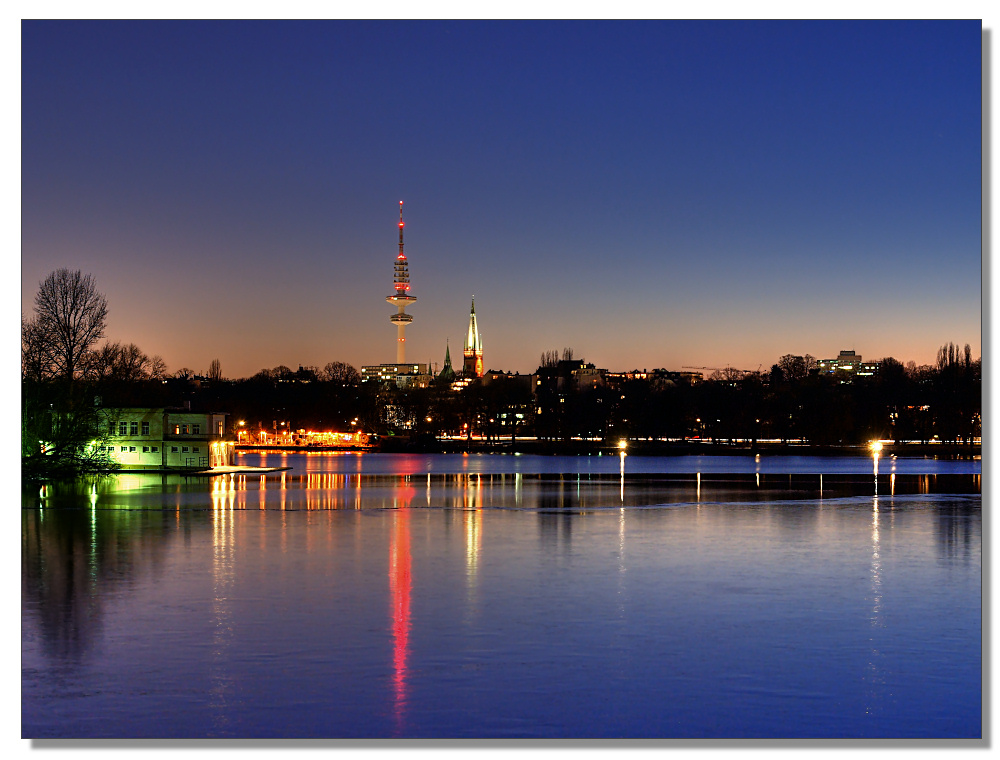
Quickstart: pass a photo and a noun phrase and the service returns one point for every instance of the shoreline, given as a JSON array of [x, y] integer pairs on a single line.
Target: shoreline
[[675, 448]]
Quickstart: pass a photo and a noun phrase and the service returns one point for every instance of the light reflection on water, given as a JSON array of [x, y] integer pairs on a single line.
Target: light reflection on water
[[469, 464], [498, 605]]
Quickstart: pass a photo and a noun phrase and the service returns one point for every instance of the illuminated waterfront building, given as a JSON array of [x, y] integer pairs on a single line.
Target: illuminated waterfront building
[[159, 439], [401, 298], [473, 364]]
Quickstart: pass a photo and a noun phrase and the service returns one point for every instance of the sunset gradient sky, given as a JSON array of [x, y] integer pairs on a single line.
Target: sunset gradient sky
[[651, 194]]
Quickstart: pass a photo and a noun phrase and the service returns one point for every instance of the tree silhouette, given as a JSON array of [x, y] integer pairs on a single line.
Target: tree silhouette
[[70, 315]]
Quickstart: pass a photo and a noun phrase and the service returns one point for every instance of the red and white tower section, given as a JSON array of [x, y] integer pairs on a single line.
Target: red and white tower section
[[401, 298], [473, 364]]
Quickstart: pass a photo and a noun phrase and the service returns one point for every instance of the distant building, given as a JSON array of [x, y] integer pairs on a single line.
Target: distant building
[[661, 377], [473, 364], [165, 439], [509, 379], [589, 376], [566, 374], [403, 375], [846, 366]]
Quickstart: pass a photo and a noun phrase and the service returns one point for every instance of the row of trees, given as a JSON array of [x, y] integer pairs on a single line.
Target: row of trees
[[59, 342], [784, 403], [790, 402], [65, 370]]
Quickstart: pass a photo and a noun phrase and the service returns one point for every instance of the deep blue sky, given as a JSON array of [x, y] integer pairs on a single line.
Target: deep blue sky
[[651, 194]]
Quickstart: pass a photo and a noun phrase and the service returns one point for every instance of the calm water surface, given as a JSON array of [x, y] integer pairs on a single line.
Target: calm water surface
[[384, 596]]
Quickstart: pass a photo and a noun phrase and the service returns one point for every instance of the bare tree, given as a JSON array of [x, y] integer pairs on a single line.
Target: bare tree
[[132, 364], [794, 367], [215, 370], [950, 354], [728, 375], [157, 368], [118, 362], [99, 363], [71, 315], [341, 373], [36, 355], [549, 359]]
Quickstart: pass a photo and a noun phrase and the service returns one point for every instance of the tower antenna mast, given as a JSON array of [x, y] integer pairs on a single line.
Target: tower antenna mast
[[401, 231], [401, 298]]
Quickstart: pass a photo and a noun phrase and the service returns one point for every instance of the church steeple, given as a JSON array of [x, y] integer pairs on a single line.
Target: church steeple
[[448, 373], [473, 364]]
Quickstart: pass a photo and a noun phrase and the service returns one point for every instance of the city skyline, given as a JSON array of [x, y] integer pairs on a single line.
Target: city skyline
[[656, 194]]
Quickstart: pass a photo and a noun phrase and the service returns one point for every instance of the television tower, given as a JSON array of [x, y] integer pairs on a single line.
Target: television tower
[[401, 298]]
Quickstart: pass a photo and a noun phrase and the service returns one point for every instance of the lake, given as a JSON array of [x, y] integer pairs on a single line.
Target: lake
[[452, 596]]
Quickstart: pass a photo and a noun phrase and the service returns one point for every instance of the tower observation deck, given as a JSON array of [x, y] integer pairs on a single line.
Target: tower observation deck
[[401, 298]]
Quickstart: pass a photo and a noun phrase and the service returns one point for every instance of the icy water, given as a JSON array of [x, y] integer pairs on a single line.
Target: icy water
[[495, 597]]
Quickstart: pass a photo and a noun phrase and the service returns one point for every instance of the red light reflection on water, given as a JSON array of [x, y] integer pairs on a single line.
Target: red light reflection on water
[[400, 584]]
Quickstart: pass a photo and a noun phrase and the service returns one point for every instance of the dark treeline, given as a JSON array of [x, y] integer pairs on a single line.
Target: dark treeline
[[899, 403], [67, 375], [941, 402]]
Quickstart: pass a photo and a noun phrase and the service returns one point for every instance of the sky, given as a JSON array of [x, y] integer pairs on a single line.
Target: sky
[[649, 194]]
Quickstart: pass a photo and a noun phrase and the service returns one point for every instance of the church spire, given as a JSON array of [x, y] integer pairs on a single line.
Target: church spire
[[473, 364], [448, 373]]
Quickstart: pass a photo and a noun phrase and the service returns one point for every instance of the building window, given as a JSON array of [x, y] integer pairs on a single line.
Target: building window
[[145, 428], [156, 448], [184, 449], [219, 431], [133, 428], [122, 428], [177, 430], [173, 449], [124, 448], [131, 448], [145, 449], [184, 429], [195, 429], [194, 448]]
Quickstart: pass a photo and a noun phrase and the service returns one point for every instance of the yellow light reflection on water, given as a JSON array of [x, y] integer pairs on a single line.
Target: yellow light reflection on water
[[223, 579], [875, 676]]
